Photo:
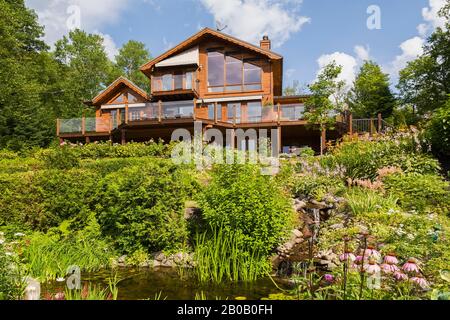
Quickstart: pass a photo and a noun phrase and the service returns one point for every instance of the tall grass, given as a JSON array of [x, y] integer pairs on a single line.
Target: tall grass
[[362, 201], [220, 257], [49, 257]]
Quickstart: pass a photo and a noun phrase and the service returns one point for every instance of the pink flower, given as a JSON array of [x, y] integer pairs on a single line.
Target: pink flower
[[421, 282], [372, 267], [371, 252], [400, 276], [390, 259], [411, 266], [389, 268], [329, 278], [347, 257], [60, 296], [359, 259]]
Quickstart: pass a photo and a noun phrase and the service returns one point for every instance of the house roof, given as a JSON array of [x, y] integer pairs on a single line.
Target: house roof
[[207, 31], [118, 84]]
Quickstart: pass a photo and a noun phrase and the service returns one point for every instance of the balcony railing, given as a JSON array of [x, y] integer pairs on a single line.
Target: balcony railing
[[83, 125]]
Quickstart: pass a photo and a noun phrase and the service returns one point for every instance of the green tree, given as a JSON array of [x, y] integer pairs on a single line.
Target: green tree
[[25, 120], [293, 90], [371, 94], [438, 131], [85, 66], [131, 57], [326, 98], [425, 82]]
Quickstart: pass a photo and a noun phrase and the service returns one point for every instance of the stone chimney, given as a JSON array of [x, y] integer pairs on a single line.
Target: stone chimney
[[265, 43]]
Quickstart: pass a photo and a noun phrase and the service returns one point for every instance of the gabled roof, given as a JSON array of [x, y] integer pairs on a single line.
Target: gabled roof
[[118, 84], [207, 31]]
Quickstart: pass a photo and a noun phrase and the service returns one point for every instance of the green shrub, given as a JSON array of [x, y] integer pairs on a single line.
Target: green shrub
[[363, 158], [416, 191], [12, 285], [252, 206], [142, 207], [317, 186], [363, 201], [438, 131], [59, 158], [48, 256]]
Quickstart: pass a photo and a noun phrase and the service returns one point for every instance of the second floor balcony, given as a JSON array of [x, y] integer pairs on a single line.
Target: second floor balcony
[[175, 85]]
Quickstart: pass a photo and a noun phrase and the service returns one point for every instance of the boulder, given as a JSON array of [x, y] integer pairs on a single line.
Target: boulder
[[297, 233], [33, 289]]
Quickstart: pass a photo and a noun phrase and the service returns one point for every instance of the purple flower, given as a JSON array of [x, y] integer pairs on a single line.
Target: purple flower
[[420, 281], [348, 256], [329, 278], [400, 276], [372, 252], [391, 259], [411, 266], [372, 267], [389, 268]]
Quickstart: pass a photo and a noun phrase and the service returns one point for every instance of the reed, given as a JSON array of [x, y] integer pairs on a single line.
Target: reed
[[49, 257], [220, 257]]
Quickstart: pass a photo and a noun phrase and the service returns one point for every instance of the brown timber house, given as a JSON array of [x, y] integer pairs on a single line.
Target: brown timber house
[[224, 82]]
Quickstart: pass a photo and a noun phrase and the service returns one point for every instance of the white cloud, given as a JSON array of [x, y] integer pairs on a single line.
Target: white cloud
[[431, 17], [59, 16], [348, 63], [109, 45], [411, 49], [362, 53], [251, 19]]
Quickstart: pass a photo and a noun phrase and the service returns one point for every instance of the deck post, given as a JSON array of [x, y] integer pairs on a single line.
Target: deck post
[[279, 113], [159, 111], [126, 113], [118, 118], [83, 125], [280, 140], [215, 112], [88, 139], [195, 108], [350, 124], [124, 137], [323, 141], [58, 125], [371, 126], [380, 121]]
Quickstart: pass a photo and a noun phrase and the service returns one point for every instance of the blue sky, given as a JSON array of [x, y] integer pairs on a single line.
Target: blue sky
[[308, 33]]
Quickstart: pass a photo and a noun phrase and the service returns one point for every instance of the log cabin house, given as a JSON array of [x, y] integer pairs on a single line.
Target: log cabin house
[[224, 82]]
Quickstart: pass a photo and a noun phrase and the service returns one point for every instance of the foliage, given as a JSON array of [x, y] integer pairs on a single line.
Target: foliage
[[419, 192], [11, 276], [131, 57], [319, 105], [438, 131], [363, 201], [252, 206], [48, 256], [142, 207], [371, 93], [220, 256], [425, 82], [363, 158], [317, 186]]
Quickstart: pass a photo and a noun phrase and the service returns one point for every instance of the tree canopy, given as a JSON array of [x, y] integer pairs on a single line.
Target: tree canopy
[[371, 93]]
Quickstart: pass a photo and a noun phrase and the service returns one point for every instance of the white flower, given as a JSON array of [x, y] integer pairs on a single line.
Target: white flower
[[19, 234], [2, 241]]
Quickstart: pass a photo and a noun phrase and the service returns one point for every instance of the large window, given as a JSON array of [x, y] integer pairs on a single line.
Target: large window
[[230, 72], [254, 112], [211, 111], [173, 81], [216, 69]]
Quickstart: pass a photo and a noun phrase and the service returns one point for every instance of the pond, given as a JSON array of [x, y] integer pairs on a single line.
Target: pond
[[141, 284]]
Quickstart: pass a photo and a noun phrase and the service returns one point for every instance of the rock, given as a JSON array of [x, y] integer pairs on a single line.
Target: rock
[[160, 256], [156, 263], [192, 213], [318, 205], [144, 264], [299, 240], [122, 259], [33, 289], [299, 205], [167, 263], [337, 226], [181, 258], [297, 233]]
